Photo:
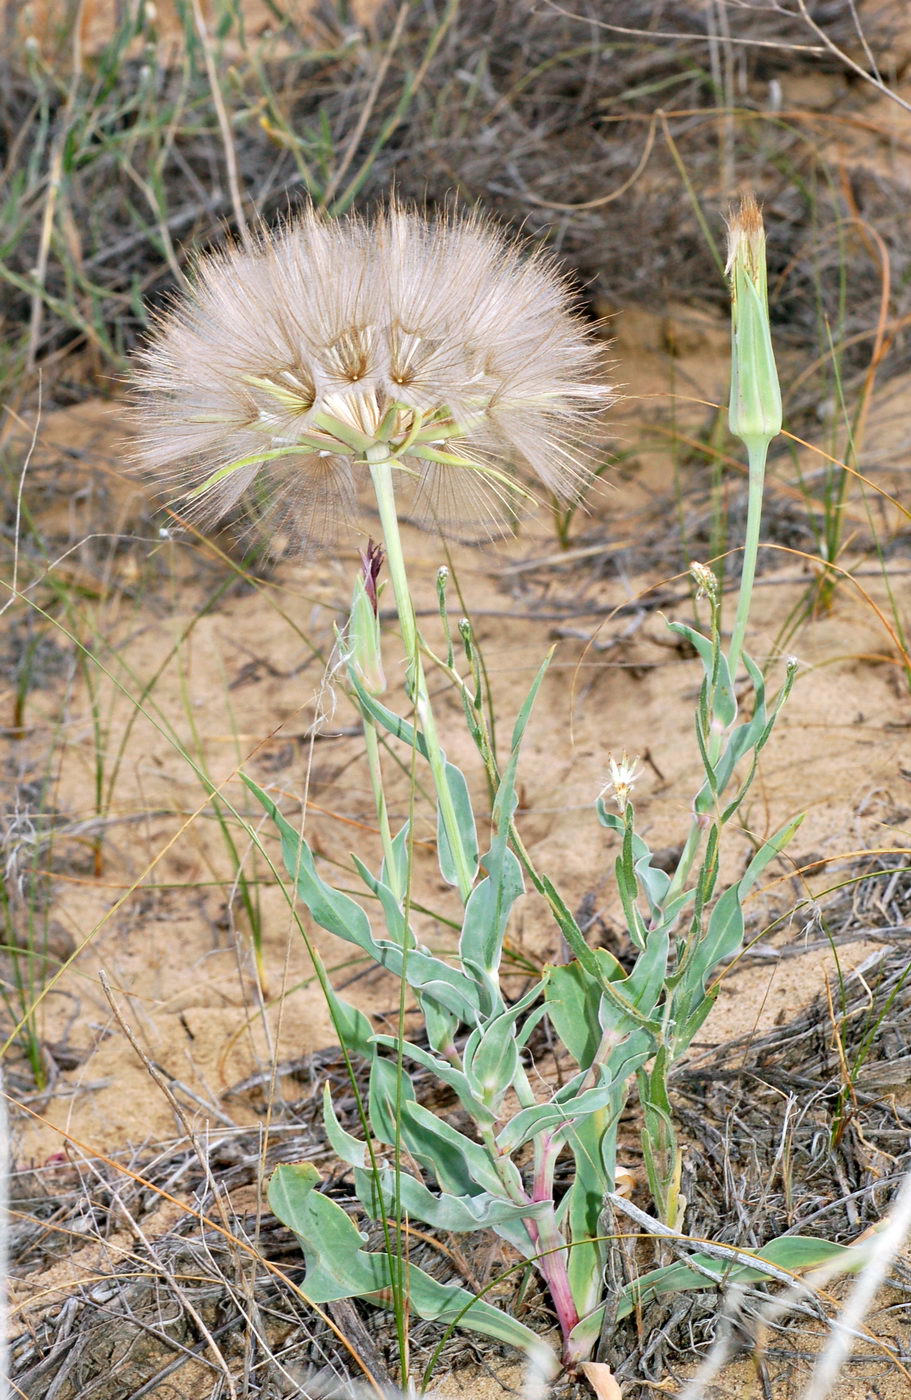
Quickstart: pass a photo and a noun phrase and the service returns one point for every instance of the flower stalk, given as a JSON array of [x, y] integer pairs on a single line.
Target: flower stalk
[[381, 470]]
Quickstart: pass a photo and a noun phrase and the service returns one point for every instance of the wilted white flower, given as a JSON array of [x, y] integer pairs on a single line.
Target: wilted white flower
[[432, 339], [705, 580], [621, 780]]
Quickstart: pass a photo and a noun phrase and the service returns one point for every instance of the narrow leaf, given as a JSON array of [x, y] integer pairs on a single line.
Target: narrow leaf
[[461, 802], [792, 1252]]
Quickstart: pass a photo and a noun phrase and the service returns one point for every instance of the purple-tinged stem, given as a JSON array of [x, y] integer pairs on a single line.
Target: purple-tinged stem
[[546, 1237], [551, 1264]]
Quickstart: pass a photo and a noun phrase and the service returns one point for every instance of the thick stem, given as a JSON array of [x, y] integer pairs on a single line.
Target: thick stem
[[758, 451], [381, 474], [554, 1262], [543, 1233], [551, 1264]]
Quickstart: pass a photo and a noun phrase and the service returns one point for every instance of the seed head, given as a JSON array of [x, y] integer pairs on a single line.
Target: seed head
[[435, 340]]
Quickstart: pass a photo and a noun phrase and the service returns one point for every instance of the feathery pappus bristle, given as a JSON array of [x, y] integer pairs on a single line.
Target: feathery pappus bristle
[[434, 337]]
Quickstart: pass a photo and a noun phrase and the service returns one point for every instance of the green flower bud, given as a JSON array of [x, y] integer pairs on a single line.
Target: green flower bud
[[754, 414]]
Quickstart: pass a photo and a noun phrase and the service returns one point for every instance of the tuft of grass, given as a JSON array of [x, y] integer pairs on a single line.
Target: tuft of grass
[[24, 920]]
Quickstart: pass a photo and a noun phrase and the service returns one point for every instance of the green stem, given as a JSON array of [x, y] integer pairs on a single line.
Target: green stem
[[372, 746], [381, 469], [685, 863], [758, 451]]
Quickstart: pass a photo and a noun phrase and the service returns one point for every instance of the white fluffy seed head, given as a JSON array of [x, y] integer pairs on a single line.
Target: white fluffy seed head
[[434, 336]]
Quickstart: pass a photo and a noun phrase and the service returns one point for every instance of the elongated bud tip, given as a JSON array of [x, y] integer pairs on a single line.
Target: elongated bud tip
[[746, 238]]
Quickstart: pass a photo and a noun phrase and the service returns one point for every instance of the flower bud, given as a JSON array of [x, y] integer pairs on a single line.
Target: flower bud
[[755, 407]]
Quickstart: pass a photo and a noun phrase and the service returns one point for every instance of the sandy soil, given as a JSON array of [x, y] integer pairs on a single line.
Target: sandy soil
[[163, 30]]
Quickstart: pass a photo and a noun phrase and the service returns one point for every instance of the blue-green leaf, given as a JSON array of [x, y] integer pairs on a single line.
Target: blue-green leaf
[[486, 918], [461, 1214], [643, 987], [583, 1204], [725, 931], [341, 915], [343, 1144], [440, 1023], [653, 881], [626, 1057], [453, 776], [332, 910], [725, 705], [401, 855], [461, 1166], [390, 1092], [393, 914], [792, 1252], [491, 902], [518, 732], [461, 803], [445, 1072], [353, 1028], [491, 1057], [339, 1267], [573, 997], [528, 1122], [385, 717]]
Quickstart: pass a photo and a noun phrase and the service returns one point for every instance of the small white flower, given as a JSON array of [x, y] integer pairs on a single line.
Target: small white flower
[[622, 779]]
